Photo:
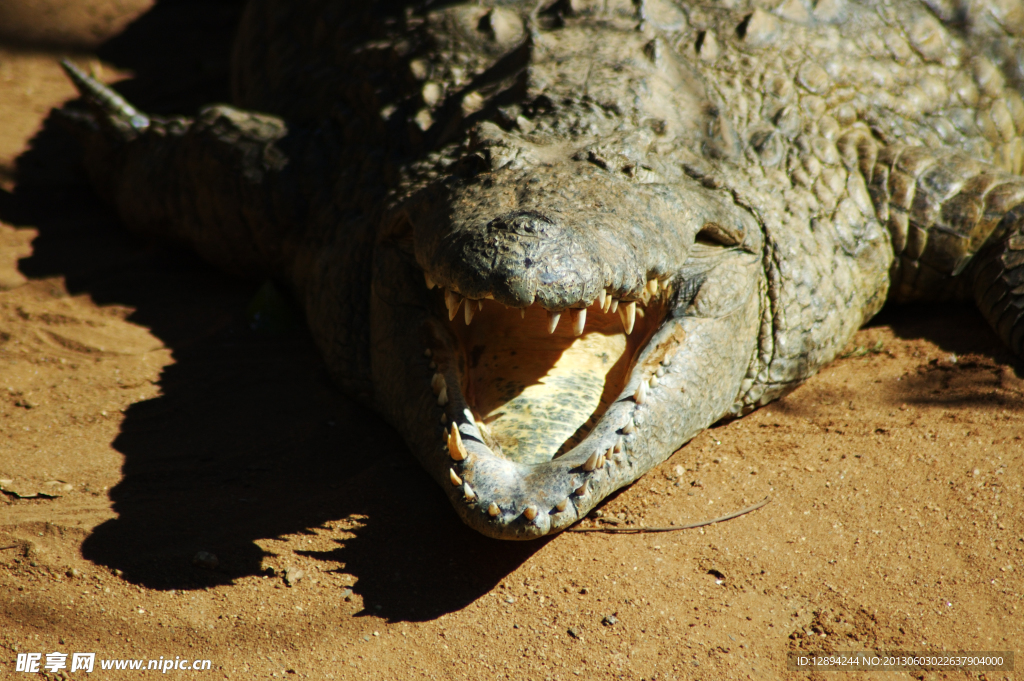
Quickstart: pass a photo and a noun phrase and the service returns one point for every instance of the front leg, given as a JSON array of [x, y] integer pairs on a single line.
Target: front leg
[[250, 194]]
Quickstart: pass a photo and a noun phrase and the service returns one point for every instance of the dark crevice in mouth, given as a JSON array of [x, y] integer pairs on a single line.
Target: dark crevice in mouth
[[537, 382]]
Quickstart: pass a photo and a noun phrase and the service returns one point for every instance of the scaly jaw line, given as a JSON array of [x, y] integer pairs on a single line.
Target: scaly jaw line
[[463, 441]]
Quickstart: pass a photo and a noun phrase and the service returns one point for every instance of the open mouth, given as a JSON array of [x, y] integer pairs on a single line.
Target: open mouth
[[536, 381], [527, 395]]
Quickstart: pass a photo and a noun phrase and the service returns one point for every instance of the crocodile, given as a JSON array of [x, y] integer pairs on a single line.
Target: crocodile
[[551, 242]]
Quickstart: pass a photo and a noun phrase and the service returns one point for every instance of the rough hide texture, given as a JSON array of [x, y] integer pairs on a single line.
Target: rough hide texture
[[742, 187]]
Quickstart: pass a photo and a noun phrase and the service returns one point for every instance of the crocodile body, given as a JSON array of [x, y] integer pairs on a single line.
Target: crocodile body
[[554, 241]]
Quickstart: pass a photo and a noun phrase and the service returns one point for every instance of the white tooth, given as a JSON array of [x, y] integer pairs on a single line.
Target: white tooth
[[628, 316], [610, 453], [430, 282], [629, 427], [660, 371], [581, 491], [602, 298], [428, 353], [437, 382], [600, 462], [553, 321], [456, 449], [480, 303], [606, 302], [493, 510], [614, 306], [442, 397], [452, 300], [640, 396], [579, 320], [618, 444], [530, 512], [652, 287], [468, 491], [591, 463], [562, 505], [522, 313], [456, 480], [470, 310], [654, 381]]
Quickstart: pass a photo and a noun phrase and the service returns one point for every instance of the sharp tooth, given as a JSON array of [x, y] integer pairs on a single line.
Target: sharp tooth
[[553, 321], [452, 300], [430, 282], [591, 463], [652, 287], [442, 397], [456, 449], [444, 417], [581, 491], [640, 396], [602, 298], [628, 316], [432, 365], [610, 453], [606, 303], [629, 427], [579, 320], [470, 310], [468, 491], [600, 462], [654, 381], [428, 353], [456, 480], [562, 505], [522, 313], [493, 510], [530, 512], [614, 306], [618, 444], [437, 382], [480, 303]]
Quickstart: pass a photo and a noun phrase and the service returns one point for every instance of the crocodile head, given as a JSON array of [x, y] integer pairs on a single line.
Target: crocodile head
[[547, 325]]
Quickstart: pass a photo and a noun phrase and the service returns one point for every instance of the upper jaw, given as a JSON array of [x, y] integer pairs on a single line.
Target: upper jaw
[[548, 236]]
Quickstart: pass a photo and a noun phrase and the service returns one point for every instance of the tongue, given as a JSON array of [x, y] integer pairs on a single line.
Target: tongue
[[533, 390]]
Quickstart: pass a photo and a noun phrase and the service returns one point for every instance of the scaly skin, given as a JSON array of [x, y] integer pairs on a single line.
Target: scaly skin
[[755, 180]]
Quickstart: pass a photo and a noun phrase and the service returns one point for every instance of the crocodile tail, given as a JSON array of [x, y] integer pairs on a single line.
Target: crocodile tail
[[999, 287]]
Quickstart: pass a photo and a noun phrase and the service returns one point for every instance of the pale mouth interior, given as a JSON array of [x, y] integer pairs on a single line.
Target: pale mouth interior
[[535, 395]]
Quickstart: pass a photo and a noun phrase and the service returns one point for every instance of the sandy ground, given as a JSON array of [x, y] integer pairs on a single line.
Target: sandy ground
[[143, 421]]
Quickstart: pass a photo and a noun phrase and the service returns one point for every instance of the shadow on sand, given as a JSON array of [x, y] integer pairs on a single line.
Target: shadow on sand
[[249, 439]]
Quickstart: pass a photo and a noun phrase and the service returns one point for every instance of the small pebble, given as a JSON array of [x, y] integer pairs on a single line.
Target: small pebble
[[74, 572], [575, 633], [610, 621], [203, 559], [292, 575], [346, 594]]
